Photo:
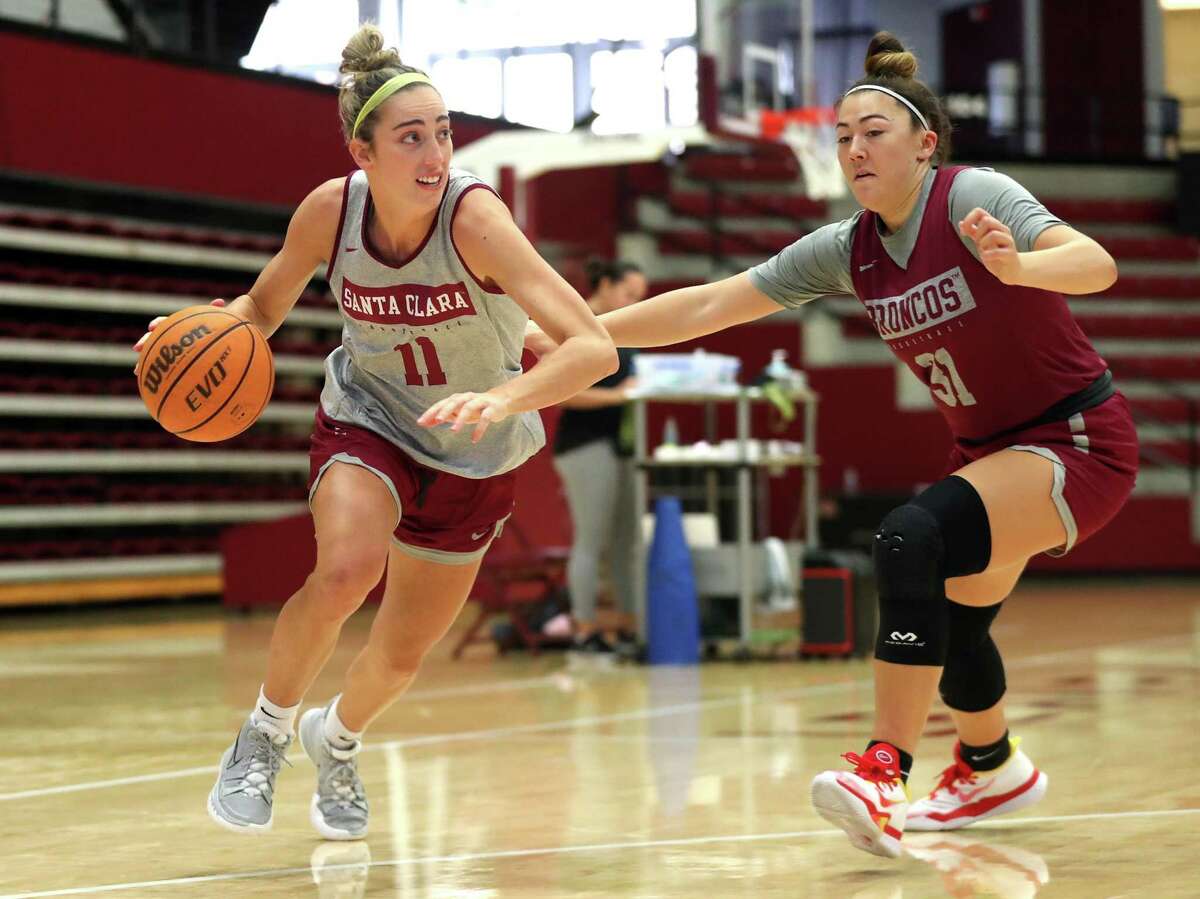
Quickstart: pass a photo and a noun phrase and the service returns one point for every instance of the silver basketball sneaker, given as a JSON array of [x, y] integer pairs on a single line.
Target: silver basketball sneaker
[[241, 799], [339, 806]]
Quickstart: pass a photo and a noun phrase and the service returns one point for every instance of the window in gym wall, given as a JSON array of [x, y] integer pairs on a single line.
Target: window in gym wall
[[628, 93], [441, 26], [539, 91], [544, 63], [683, 100], [471, 85], [304, 38]]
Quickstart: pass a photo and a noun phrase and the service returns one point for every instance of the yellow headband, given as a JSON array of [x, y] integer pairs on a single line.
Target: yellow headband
[[385, 90]]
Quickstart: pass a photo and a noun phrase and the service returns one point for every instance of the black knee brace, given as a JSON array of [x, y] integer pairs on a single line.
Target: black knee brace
[[942, 533], [973, 679]]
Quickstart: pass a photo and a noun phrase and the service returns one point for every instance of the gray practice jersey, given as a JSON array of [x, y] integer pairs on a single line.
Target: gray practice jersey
[[818, 264], [416, 333]]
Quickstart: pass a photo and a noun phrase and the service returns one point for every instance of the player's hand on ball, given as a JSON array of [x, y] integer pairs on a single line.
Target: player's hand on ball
[[994, 241], [154, 323], [462, 409]]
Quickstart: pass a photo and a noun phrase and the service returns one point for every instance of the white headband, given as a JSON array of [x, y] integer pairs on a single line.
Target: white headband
[[891, 93]]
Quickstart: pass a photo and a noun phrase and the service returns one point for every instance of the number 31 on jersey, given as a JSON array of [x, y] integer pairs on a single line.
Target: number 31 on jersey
[[944, 380]]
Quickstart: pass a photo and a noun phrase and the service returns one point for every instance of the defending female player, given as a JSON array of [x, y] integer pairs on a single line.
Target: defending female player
[[962, 273]]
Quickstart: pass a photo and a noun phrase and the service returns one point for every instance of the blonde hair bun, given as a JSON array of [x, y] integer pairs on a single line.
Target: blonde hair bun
[[366, 53], [887, 58]]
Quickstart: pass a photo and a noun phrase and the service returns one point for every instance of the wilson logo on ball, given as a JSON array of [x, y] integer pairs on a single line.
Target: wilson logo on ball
[[167, 355]]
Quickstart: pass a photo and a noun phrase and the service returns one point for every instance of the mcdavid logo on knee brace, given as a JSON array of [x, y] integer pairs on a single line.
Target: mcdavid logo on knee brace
[[906, 639]]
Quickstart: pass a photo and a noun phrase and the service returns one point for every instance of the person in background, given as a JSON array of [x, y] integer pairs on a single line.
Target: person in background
[[593, 456]]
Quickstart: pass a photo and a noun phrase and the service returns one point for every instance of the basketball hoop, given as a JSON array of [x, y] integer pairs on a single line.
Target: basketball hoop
[[809, 133]]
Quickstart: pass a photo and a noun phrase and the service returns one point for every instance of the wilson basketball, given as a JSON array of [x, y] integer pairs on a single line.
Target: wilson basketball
[[205, 374]]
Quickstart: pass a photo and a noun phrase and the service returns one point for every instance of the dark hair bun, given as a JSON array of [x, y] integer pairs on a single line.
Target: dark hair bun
[[887, 58]]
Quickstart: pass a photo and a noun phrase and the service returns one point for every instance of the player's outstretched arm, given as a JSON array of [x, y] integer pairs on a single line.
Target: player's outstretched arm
[[309, 239], [687, 313], [1062, 259], [678, 315]]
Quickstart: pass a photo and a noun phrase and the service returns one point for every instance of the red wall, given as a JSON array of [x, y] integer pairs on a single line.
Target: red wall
[[82, 112]]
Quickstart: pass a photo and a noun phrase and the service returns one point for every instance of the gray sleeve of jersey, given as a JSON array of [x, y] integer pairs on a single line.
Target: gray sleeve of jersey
[[1004, 199], [816, 265]]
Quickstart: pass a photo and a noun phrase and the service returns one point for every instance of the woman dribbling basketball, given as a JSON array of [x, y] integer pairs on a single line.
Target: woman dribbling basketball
[[435, 284]]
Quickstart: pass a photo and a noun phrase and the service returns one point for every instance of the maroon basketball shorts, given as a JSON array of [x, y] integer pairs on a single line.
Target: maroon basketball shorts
[[1095, 456], [440, 517]]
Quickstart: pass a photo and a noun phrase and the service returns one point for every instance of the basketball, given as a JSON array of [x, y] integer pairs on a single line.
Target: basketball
[[206, 374]]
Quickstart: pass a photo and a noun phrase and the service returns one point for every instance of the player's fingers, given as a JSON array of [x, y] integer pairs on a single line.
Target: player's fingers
[[469, 413], [432, 415], [477, 434], [987, 226], [994, 260], [996, 240], [989, 223], [451, 406], [154, 323], [967, 226], [141, 341]]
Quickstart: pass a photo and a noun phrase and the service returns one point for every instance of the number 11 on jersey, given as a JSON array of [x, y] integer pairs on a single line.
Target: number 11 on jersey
[[412, 375]]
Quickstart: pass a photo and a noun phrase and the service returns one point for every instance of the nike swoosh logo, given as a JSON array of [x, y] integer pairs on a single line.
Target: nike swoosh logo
[[481, 534], [233, 756], [863, 268], [986, 755], [351, 249]]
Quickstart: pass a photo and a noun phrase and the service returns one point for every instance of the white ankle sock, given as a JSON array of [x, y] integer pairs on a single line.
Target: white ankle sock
[[338, 735], [281, 718]]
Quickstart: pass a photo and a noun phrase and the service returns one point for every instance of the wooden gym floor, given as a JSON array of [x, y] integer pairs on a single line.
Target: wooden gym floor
[[501, 777]]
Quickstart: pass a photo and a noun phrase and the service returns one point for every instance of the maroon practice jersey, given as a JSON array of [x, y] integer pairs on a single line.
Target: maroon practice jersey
[[993, 355]]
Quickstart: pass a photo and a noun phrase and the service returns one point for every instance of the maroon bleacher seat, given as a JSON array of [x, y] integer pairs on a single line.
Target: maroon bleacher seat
[[1093, 209], [1164, 408], [1144, 326], [1179, 451], [1165, 248], [1171, 368], [104, 227], [748, 166], [727, 243], [1158, 287], [726, 205]]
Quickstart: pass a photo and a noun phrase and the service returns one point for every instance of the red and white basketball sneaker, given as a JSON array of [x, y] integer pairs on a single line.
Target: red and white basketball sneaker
[[868, 803], [964, 796]]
